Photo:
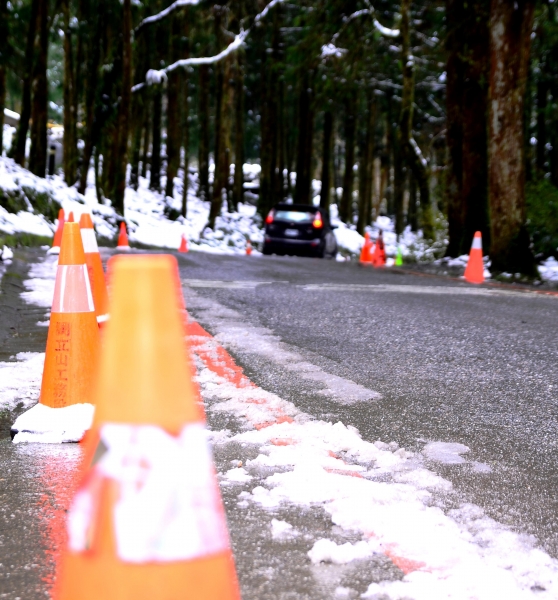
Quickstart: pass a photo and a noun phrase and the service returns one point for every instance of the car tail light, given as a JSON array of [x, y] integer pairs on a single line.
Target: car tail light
[[318, 223], [269, 218]]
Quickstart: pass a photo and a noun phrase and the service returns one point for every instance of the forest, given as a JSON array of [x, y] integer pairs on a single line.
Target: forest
[[440, 114]]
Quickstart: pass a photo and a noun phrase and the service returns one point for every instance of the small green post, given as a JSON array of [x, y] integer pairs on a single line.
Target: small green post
[[398, 257]]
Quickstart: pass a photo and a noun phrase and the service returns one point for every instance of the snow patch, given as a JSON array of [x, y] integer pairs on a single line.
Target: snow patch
[[53, 425], [446, 453], [20, 381]]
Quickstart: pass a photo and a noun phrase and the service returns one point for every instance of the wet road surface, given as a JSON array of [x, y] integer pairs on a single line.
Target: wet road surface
[[447, 362]]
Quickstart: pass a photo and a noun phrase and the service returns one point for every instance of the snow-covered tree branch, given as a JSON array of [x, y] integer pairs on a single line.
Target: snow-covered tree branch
[[165, 13], [157, 76]]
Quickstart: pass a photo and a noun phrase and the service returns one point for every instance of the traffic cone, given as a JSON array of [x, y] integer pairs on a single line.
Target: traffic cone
[[73, 336], [365, 253], [183, 244], [71, 217], [379, 254], [94, 267], [474, 271], [398, 257], [58, 234], [147, 521], [123, 243], [248, 247]]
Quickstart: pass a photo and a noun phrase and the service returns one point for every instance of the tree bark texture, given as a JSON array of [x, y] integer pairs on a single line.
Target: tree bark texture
[[305, 144], [18, 145], [467, 113], [39, 106], [124, 109], [70, 115], [155, 175], [346, 208], [173, 109], [510, 43], [238, 184], [326, 160], [203, 149], [3, 61]]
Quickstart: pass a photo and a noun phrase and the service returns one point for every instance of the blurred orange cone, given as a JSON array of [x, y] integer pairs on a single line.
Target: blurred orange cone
[[248, 248], [123, 243], [71, 217], [94, 267], [73, 335], [147, 521], [474, 271], [183, 244], [379, 255], [58, 234], [366, 252]]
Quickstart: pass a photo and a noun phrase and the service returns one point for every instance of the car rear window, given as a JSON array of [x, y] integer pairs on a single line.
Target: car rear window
[[294, 215]]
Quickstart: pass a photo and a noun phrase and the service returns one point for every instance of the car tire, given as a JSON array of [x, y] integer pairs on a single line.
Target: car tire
[[330, 246]]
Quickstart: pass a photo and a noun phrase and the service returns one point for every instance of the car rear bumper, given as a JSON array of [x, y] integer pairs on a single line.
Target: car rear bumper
[[295, 246]]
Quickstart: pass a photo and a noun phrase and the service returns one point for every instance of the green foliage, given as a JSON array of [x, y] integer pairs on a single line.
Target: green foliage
[[542, 216], [19, 239], [28, 198]]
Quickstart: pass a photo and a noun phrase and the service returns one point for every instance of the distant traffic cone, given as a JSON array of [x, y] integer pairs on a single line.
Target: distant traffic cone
[[248, 247], [365, 253], [71, 353], [123, 243], [147, 521], [73, 336], [474, 271], [398, 257], [379, 254], [58, 234], [71, 217], [183, 244], [94, 267]]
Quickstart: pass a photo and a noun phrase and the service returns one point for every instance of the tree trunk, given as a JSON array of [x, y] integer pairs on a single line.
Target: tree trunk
[[39, 107], [173, 109], [203, 150], [510, 45], [185, 141], [124, 109], [238, 185], [91, 82], [346, 212], [19, 143], [326, 161], [305, 145], [363, 168], [3, 61], [370, 136], [155, 180], [145, 156], [467, 106], [70, 116]]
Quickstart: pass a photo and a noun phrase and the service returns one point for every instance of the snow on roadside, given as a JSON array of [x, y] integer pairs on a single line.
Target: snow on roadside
[[549, 269], [21, 380], [378, 490]]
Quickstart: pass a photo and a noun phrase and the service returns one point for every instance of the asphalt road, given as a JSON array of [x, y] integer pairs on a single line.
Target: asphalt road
[[439, 360]]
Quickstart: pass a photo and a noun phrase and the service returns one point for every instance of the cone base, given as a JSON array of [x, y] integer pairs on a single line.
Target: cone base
[[123, 248], [95, 577]]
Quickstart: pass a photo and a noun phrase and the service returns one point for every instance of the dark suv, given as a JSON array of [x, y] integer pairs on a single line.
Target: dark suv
[[299, 229]]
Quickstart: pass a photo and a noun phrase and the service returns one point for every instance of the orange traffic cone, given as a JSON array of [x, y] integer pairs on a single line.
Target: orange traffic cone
[[474, 271], [183, 244], [248, 248], [123, 243], [73, 336], [71, 217], [366, 252], [58, 234], [379, 254], [94, 267], [147, 521]]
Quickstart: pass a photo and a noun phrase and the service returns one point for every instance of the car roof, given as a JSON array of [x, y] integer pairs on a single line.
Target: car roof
[[296, 207]]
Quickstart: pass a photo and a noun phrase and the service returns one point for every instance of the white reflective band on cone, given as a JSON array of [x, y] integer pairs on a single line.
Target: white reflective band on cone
[[477, 243], [168, 506], [89, 241], [72, 290], [102, 318]]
